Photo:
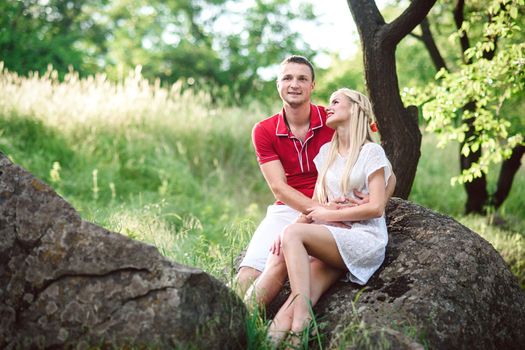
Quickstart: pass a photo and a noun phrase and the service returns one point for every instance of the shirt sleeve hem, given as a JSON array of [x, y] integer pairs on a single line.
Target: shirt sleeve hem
[[267, 159]]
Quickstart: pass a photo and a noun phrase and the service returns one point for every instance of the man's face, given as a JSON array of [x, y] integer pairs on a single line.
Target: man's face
[[295, 84]]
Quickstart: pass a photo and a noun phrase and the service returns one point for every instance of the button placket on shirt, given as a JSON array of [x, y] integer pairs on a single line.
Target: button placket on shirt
[[304, 145]]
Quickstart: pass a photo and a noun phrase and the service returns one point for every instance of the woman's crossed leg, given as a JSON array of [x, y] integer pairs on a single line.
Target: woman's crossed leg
[[299, 242]]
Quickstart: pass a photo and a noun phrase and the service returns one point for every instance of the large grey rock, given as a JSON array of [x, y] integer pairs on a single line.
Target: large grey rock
[[65, 282], [441, 285]]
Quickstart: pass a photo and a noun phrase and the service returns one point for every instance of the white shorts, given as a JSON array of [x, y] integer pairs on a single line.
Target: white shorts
[[277, 218]]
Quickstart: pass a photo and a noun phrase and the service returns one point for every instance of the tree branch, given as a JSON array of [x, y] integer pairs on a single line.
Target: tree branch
[[430, 44], [366, 16], [418, 37], [459, 18], [395, 31]]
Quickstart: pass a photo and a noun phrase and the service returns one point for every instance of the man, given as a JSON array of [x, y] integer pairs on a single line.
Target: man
[[285, 145]]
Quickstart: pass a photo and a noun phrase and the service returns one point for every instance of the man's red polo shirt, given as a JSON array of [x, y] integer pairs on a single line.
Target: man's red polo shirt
[[273, 140]]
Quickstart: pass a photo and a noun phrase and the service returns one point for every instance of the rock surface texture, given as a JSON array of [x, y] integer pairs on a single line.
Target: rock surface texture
[[441, 285], [67, 283]]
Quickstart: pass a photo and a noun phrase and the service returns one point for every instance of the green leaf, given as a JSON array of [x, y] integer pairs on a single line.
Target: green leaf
[[465, 150]]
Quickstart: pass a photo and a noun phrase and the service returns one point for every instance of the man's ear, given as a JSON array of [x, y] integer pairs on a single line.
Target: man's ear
[[313, 85]]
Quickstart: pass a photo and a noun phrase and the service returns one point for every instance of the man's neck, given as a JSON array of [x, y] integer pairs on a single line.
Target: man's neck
[[297, 116]]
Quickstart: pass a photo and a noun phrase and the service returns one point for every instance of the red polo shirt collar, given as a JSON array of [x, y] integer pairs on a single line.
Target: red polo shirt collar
[[316, 121]]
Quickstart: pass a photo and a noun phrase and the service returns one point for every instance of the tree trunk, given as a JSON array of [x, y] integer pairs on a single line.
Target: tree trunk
[[477, 195], [509, 168], [398, 125]]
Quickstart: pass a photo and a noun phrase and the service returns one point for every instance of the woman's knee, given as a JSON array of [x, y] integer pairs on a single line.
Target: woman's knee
[[291, 235]]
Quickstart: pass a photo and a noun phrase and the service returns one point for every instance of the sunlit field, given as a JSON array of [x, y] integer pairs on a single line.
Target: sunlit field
[[176, 169]]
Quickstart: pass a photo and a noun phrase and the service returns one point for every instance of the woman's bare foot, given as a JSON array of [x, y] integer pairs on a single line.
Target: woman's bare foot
[[306, 325], [302, 316], [300, 340], [276, 337], [303, 328], [294, 340]]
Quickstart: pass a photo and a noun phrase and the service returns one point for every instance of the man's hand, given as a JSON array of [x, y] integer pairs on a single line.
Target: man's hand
[[275, 247], [360, 198], [341, 202], [334, 205]]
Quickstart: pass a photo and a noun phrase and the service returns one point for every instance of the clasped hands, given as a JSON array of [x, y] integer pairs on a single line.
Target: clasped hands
[[319, 213]]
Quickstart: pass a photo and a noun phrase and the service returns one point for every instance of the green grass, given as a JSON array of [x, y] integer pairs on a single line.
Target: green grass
[[170, 168]]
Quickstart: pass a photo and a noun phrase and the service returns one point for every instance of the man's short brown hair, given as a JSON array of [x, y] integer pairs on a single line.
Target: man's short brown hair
[[300, 60]]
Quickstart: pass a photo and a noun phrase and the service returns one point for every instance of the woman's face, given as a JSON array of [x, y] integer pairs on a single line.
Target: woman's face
[[338, 112]]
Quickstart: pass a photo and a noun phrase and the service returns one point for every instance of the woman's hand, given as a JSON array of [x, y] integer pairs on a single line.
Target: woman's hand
[[319, 214], [303, 219]]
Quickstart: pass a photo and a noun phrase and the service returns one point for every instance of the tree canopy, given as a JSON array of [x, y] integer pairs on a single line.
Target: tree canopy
[[219, 44], [479, 88]]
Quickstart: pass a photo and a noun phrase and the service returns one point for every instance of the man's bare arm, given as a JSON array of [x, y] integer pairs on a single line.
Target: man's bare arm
[[275, 177]]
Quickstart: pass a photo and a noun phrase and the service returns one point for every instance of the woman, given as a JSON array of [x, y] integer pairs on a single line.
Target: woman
[[351, 161]]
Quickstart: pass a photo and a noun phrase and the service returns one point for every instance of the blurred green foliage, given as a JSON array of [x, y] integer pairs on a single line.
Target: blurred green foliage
[[33, 36], [217, 45], [487, 71]]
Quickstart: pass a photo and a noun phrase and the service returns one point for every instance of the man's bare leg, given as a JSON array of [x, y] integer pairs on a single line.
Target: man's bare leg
[[269, 283], [244, 279]]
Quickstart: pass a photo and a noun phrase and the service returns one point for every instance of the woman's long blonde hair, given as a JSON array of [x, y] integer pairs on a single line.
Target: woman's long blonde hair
[[361, 118]]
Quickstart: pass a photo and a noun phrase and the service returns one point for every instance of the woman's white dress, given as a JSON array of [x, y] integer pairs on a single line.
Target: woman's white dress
[[362, 246]]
